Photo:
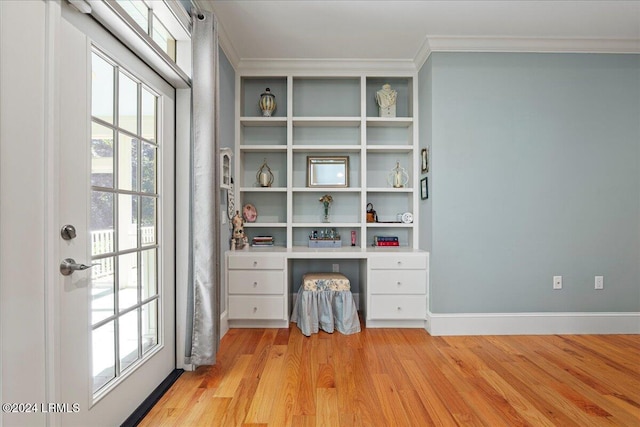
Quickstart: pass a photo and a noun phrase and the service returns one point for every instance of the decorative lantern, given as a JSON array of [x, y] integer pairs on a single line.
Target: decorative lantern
[[398, 177], [267, 103], [264, 175]]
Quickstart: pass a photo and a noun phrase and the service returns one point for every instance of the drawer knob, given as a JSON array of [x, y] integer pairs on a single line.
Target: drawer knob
[[399, 308], [255, 309], [255, 284], [399, 262], [398, 283], [255, 263]]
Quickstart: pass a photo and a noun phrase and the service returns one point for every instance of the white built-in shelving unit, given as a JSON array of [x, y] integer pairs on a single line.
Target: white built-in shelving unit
[[327, 116]]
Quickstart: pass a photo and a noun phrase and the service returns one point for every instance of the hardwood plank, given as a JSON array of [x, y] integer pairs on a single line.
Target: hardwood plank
[[391, 404], [263, 402], [231, 381], [520, 403], [285, 395], [327, 404]]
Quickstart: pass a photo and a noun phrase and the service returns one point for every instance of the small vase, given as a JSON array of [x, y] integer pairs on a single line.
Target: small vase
[[267, 103], [325, 214]]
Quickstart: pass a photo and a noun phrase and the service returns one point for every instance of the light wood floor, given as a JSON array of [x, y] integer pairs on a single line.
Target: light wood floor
[[404, 377]]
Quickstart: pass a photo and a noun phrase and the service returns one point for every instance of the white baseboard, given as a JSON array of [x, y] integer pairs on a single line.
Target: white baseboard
[[224, 323], [533, 323]]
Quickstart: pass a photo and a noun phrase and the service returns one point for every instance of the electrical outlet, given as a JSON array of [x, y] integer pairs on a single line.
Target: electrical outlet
[[599, 282], [336, 268], [557, 282]]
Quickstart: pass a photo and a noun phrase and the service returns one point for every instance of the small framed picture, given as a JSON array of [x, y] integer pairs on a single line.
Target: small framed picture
[[424, 188], [424, 158]]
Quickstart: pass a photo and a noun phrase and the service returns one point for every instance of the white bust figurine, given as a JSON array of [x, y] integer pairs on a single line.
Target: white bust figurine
[[386, 98]]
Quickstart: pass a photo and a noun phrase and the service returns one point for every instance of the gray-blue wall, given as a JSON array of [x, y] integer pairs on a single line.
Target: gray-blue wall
[[227, 78], [535, 172]]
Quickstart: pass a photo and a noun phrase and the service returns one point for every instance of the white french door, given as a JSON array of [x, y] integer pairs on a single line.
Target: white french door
[[117, 317]]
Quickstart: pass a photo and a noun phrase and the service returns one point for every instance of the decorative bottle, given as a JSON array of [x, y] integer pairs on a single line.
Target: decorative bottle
[[267, 103]]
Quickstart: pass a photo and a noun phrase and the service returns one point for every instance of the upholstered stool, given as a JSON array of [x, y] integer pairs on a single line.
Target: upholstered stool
[[324, 301]]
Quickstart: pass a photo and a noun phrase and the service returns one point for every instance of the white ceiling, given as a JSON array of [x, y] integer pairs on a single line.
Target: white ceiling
[[407, 30]]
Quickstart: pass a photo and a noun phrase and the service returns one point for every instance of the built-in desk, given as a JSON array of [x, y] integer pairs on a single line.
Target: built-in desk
[[393, 284]]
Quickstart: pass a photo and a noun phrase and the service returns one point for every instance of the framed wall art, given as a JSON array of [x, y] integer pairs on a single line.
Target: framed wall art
[[328, 171], [424, 160], [424, 188]]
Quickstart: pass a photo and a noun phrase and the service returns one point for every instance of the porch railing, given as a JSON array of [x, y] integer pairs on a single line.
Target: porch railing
[[103, 241]]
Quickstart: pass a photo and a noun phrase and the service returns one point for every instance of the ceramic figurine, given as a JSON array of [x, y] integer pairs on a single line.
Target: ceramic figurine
[[386, 98], [267, 103]]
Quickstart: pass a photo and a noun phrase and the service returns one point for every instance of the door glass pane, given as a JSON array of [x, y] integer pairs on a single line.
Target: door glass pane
[[101, 88], [127, 222], [101, 156], [149, 325], [102, 289], [127, 162], [104, 355], [148, 168], [128, 331], [127, 281], [101, 224], [138, 11], [164, 39], [148, 274], [128, 104], [149, 102], [148, 221]]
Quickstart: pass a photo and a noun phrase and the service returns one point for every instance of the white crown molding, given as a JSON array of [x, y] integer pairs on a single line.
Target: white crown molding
[[423, 54], [325, 66], [531, 44], [533, 323]]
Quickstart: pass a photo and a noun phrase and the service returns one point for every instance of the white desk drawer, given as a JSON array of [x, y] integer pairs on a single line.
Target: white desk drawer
[[256, 262], [256, 307], [398, 307], [398, 261], [398, 282], [256, 282]]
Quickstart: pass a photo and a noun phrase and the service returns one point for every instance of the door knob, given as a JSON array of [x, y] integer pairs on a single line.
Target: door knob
[[69, 265]]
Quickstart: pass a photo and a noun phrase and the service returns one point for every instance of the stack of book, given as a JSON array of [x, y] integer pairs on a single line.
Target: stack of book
[[385, 241], [262, 241]]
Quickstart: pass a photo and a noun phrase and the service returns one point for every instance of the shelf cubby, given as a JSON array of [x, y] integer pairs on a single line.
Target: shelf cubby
[[308, 209], [253, 87], [381, 163], [300, 166], [263, 135], [388, 204], [301, 234], [326, 135], [251, 160], [404, 101], [278, 232], [270, 205], [389, 136], [403, 234], [326, 97]]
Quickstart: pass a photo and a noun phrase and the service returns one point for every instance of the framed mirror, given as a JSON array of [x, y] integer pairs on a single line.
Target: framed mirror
[[328, 171]]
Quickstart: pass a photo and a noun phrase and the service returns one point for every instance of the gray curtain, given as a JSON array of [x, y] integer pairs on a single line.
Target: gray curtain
[[203, 332]]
